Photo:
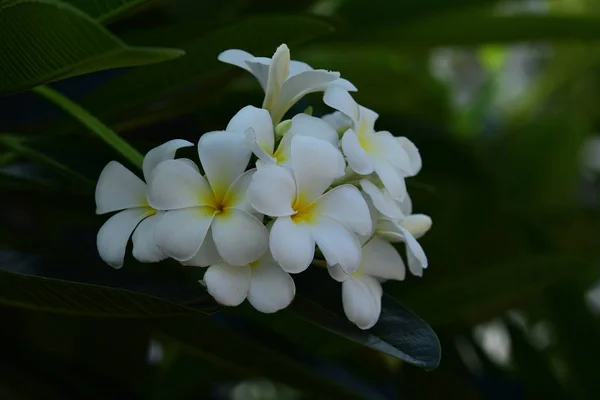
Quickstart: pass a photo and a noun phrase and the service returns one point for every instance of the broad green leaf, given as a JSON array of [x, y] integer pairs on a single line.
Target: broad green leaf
[[467, 29], [47, 40], [24, 282], [102, 10], [399, 332], [259, 35]]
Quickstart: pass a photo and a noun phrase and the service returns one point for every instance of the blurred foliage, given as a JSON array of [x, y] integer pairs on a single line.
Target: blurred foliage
[[500, 114]]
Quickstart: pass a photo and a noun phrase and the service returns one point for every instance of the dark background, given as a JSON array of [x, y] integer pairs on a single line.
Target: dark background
[[502, 101]]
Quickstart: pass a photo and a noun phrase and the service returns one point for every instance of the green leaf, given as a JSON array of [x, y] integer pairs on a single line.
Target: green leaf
[[475, 29], [102, 10], [399, 332], [23, 284], [47, 40], [258, 35]]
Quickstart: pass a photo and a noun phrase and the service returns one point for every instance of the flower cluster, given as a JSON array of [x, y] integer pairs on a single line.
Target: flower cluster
[[324, 191]]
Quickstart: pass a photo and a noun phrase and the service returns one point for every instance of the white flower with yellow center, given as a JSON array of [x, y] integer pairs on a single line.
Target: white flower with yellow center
[[396, 223], [305, 213], [284, 81], [119, 189], [218, 203], [368, 151], [257, 125], [361, 290]]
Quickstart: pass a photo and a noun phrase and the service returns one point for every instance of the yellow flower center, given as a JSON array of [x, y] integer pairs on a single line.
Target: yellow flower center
[[364, 137], [305, 213]]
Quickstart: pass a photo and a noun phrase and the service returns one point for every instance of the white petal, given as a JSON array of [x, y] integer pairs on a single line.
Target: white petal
[[207, 255], [406, 205], [417, 224], [381, 260], [297, 67], [240, 237], [389, 230], [174, 184], [236, 57], [359, 160], [237, 194], [303, 124], [413, 154], [259, 120], [224, 157], [340, 122], [299, 86], [264, 157], [391, 179], [162, 153], [145, 248], [181, 232], [271, 288], [228, 285], [190, 163], [382, 200], [114, 234], [361, 298], [337, 273], [272, 191], [346, 205], [259, 67], [344, 84], [337, 243], [278, 72], [118, 188], [292, 245], [367, 118], [417, 260], [339, 99], [316, 163], [390, 150]]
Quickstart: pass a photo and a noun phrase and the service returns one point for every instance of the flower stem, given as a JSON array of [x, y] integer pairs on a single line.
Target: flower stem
[[351, 177], [92, 123]]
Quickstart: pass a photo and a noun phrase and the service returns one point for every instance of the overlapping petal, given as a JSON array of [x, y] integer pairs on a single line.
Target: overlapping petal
[[271, 288], [259, 121], [224, 157], [239, 236], [145, 248], [382, 200], [316, 163], [164, 152], [381, 260], [346, 205], [337, 243], [303, 124], [180, 233], [118, 188], [114, 234], [272, 191], [361, 299], [228, 284], [207, 253], [358, 159], [174, 184], [291, 245], [339, 99]]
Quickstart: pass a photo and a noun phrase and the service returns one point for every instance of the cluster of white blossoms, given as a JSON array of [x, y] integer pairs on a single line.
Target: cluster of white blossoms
[[328, 192]]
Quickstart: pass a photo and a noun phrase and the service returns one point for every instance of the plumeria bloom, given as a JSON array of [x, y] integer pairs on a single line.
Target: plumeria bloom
[[284, 81], [361, 290], [119, 189], [368, 151], [305, 213], [257, 125], [396, 223], [217, 204]]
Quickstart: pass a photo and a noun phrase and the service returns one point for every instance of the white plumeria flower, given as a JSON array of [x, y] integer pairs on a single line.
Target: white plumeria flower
[[267, 287], [304, 215], [217, 204], [119, 189], [338, 121], [257, 125], [397, 223], [361, 291], [368, 151], [284, 81]]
